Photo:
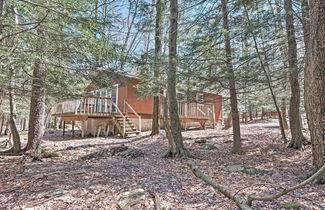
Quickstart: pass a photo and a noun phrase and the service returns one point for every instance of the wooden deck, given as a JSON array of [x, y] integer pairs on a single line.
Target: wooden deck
[[196, 112], [105, 108], [97, 108]]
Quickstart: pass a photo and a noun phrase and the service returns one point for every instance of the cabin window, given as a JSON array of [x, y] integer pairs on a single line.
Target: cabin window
[[200, 97], [102, 104], [181, 96]]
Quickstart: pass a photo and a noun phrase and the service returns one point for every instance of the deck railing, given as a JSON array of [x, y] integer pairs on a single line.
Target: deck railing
[[86, 106], [196, 110]]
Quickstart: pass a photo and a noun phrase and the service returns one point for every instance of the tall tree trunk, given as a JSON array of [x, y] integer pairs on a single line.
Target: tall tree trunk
[[250, 110], [315, 83], [228, 123], [297, 138], [284, 114], [12, 105], [158, 45], [177, 148], [1, 17], [37, 104], [262, 114], [2, 123], [232, 86], [305, 21]]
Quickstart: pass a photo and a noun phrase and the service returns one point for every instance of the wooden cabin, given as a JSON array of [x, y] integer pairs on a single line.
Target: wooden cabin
[[119, 110]]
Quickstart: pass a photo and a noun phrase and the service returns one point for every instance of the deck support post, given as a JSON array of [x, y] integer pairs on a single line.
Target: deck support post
[[54, 125], [73, 128], [124, 134], [213, 117], [63, 128], [82, 128], [89, 126]]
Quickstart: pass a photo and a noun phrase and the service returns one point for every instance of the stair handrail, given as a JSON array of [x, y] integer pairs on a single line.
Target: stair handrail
[[119, 111], [200, 110], [134, 112]]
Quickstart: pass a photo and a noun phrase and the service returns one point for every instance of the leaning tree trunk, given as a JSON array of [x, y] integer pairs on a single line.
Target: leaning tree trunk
[[232, 86], [315, 82], [265, 68], [158, 36], [14, 131], [177, 148], [297, 138], [37, 105]]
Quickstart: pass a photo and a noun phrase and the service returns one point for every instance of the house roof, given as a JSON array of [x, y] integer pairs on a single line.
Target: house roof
[[122, 77]]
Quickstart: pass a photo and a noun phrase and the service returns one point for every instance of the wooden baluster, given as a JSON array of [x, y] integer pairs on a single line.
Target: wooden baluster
[[95, 105], [75, 104], [179, 109], [213, 116], [91, 106], [124, 127], [111, 106]]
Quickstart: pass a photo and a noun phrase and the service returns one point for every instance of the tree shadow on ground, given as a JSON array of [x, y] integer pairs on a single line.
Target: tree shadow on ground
[[119, 141]]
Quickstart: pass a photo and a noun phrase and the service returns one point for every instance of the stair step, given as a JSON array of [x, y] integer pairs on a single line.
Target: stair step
[[126, 124], [132, 132], [130, 127], [126, 120], [121, 118]]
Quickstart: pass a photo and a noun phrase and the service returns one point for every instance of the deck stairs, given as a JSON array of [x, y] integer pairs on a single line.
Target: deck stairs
[[124, 126]]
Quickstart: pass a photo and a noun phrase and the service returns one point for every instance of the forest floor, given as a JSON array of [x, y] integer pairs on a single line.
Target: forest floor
[[101, 183]]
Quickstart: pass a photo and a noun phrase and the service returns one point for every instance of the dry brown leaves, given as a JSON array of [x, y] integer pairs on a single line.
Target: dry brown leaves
[[99, 183]]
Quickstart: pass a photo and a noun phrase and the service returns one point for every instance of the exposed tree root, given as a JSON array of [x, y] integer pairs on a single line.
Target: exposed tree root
[[311, 179], [299, 144], [182, 153], [318, 177]]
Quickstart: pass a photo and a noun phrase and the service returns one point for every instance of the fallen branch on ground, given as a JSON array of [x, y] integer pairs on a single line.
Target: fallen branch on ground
[[156, 200], [221, 188], [241, 203]]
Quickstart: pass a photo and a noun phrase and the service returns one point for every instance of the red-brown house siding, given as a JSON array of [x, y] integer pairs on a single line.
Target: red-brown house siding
[[217, 101], [122, 95], [144, 107]]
